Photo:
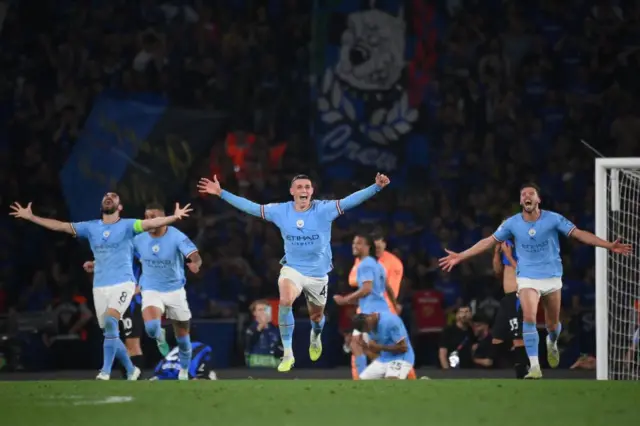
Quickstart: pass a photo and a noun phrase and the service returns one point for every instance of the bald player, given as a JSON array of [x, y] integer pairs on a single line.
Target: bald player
[[395, 270]]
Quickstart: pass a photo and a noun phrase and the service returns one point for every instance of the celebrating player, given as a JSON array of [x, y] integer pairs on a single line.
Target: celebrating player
[[305, 226], [111, 240], [508, 323], [539, 269], [371, 277], [388, 337], [163, 253]]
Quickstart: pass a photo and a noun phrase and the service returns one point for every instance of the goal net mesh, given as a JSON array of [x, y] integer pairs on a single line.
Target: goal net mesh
[[623, 289]]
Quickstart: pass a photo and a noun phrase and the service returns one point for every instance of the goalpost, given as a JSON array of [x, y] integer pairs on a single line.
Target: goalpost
[[617, 215]]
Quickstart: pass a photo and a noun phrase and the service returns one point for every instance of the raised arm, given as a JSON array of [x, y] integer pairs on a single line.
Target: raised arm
[[212, 187], [159, 222], [25, 213], [588, 238], [363, 195]]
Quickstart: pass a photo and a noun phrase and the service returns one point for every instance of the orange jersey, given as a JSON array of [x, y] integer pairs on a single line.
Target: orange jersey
[[394, 268]]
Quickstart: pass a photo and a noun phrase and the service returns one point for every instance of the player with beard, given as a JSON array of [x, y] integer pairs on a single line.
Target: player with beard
[[305, 226], [539, 269], [111, 241], [507, 326]]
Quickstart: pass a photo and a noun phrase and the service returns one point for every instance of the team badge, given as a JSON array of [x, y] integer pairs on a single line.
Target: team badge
[[106, 234], [300, 223], [155, 248], [532, 232]]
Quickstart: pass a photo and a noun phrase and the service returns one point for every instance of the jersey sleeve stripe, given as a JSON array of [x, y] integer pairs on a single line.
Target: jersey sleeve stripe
[[262, 212], [340, 211], [190, 253], [496, 238], [73, 230], [571, 230]]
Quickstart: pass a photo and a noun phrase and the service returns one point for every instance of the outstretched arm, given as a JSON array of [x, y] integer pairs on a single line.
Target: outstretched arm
[[159, 222], [242, 204], [478, 248], [358, 198], [25, 213], [588, 238]]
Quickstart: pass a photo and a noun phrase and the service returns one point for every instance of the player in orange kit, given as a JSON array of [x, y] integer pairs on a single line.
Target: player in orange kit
[[394, 268]]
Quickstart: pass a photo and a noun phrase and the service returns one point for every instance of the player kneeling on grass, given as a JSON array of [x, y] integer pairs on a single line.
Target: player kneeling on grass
[[388, 337], [163, 252], [170, 368]]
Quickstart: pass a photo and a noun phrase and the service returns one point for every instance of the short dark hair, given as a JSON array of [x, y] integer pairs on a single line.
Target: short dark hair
[[359, 321], [377, 235], [370, 242], [155, 206], [298, 177], [530, 185], [481, 318]]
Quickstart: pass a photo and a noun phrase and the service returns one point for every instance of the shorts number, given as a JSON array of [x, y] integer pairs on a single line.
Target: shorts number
[[323, 292], [513, 324], [123, 297], [396, 366], [127, 323]]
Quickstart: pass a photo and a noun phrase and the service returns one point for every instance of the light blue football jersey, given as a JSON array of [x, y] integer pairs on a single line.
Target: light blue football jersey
[[369, 269], [112, 247], [536, 243], [162, 259], [389, 331]]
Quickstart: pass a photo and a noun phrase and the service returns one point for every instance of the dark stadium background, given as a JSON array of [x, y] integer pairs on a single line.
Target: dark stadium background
[[502, 91]]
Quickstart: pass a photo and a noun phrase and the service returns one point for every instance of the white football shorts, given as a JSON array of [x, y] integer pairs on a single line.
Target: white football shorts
[[314, 289], [116, 297], [386, 370], [543, 286], [174, 303]]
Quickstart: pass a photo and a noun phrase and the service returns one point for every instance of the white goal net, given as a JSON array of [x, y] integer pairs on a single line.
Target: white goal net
[[618, 277]]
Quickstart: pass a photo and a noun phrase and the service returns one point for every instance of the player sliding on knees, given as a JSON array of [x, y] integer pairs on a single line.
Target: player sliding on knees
[[111, 241], [305, 226], [384, 333], [371, 277], [539, 267]]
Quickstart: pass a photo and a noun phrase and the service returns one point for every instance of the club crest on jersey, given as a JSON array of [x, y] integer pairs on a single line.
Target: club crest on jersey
[[300, 223], [155, 249], [532, 232], [106, 234]]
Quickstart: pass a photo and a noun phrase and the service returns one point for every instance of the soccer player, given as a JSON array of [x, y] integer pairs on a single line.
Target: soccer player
[[388, 337], [200, 367], [372, 289], [394, 268], [508, 322], [305, 226], [163, 253], [111, 240], [539, 268]]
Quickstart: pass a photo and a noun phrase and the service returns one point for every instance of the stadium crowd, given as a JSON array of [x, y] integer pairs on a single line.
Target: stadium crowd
[[517, 86]]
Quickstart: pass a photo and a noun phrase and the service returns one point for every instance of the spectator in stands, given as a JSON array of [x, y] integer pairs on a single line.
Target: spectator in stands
[[456, 342], [262, 339], [482, 349]]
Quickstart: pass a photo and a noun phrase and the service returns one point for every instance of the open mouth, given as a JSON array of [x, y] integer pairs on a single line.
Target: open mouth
[[304, 197], [528, 203]]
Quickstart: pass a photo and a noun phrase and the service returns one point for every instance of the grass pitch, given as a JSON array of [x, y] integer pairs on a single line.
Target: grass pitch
[[316, 402]]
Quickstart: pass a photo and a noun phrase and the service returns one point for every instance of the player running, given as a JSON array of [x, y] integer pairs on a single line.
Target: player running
[[163, 252], [508, 322], [373, 286], [305, 226], [539, 269], [388, 337], [111, 240]]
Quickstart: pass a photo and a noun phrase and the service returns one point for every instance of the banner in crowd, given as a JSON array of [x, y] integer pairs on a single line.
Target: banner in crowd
[[138, 147], [372, 61]]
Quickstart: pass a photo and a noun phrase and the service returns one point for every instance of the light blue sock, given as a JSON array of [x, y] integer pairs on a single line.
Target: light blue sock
[[184, 351], [361, 363], [123, 356], [111, 338], [286, 324], [554, 334], [318, 326], [153, 328], [531, 342]]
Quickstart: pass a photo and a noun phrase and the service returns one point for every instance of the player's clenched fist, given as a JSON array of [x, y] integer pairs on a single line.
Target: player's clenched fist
[[206, 186], [382, 180]]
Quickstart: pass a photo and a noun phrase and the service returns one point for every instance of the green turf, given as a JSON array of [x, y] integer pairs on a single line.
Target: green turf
[[326, 403]]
